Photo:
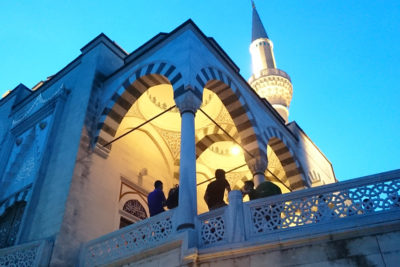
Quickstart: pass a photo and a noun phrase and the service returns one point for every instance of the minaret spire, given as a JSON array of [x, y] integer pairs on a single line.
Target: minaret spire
[[268, 81], [258, 30]]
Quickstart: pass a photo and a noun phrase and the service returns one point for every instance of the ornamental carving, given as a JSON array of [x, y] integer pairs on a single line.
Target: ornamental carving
[[134, 111], [325, 207], [224, 117], [134, 208], [173, 141], [22, 257], [257, 165], [164, 106], [213, 230], [188, 101], [130, 240], [37, 103], [276, 89]]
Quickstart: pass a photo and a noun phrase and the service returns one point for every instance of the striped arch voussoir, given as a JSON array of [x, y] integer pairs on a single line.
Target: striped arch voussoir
[[209, 135], [223, 86], [282, 148], [131, 89], [206, 138]]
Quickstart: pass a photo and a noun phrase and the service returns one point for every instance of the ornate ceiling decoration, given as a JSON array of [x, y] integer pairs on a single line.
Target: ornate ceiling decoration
[[173, 141]]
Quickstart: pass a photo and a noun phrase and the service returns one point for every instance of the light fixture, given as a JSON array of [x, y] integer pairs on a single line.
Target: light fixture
[[235, 150]]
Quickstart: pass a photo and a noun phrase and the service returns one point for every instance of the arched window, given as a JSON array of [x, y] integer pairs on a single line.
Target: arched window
[[9, 224], [135, 208]]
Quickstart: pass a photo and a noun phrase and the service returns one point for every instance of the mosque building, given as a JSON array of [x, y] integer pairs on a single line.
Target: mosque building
[[81, 151]]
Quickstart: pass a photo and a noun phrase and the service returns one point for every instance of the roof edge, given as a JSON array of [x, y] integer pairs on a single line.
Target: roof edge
[[102, 38], [137, 53]]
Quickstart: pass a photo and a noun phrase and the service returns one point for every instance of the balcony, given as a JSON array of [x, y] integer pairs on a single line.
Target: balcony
[[327, 209], [269, 72]]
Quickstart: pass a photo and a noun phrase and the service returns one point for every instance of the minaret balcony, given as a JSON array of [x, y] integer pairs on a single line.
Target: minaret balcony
[[269, 72]]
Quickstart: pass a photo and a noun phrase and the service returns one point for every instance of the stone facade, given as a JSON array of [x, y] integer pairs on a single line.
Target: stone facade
[[78, 185]]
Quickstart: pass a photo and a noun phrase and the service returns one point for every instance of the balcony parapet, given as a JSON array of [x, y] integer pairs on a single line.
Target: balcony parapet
[[332, 208], [30, 254], [212, 228], [129, 240], [269, 72], [335, 204]]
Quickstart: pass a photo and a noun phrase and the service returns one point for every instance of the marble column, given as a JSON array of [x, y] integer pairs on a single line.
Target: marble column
[[258, 166], [188, 103]]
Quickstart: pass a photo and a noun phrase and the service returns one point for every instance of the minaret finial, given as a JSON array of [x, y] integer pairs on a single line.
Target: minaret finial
[[252, 4], [258, 30]]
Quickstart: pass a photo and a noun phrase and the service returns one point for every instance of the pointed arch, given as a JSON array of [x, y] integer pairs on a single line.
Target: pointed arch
[[130, 90], [205, 138], [210, 135], [224, 87], [282, 148]]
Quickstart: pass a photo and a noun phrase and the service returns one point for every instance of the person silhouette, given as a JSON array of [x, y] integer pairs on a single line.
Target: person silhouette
[[214, 195], [156, 199]]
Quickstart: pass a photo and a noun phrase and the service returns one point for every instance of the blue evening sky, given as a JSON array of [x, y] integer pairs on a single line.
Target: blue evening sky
[[343, 57]]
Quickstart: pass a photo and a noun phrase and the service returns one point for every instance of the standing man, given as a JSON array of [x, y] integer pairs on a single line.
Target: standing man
[[249, 190], [156, 199], [214, 195]]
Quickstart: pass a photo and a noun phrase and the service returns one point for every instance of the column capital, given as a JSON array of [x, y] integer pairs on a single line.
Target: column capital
[[187, 99], [257, 165]]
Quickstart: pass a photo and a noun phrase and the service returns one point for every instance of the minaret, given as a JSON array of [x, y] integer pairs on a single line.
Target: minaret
[[268, 81]]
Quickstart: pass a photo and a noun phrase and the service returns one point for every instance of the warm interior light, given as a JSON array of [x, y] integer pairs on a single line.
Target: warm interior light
[[235, 150]]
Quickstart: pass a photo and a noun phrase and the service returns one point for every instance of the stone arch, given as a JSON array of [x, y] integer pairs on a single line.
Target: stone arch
[[282, 148], [212, 134], [207, 137], [132, 88], [224, 87]]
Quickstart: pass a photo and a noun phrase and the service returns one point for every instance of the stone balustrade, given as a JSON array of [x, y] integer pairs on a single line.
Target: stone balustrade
[[334, 207], [212, 228], [128, 240], [30, 254], [269, 72]]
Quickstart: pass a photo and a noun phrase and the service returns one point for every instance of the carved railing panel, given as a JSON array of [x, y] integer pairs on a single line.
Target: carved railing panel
[[268, 72], [324, 204], [31, 254], [212, 227], [128, 240]]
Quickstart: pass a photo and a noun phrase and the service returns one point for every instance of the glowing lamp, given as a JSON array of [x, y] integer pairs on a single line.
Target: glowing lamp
[[235, 150]]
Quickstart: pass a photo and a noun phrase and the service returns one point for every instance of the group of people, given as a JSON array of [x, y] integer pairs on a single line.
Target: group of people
[[214, 195], [157, 201]]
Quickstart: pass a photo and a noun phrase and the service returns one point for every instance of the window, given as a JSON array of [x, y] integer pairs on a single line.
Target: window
[[134, 207], [9, 224], [132, 212]]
